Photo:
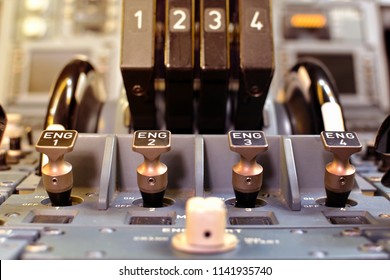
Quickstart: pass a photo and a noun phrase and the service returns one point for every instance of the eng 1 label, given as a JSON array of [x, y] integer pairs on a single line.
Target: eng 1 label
[[57, 138], [152, 138], [247, 138], [340, 139]]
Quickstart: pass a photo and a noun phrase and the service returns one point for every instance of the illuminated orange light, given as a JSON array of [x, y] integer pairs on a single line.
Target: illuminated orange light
[[308, 21]]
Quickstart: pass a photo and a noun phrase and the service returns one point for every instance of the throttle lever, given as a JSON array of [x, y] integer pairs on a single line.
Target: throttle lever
[[138, 61], [256, 54], [3, 152], [382, 146]]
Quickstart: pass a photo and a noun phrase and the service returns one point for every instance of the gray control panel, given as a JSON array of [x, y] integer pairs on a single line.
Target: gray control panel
[[107, 218], [179, 183]]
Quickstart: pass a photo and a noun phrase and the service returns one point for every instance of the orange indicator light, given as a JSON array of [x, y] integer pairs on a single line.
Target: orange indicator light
[[308, 21]]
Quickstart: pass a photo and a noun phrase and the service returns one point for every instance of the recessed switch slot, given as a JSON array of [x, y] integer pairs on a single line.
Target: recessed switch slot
[[51, 219], [349, 217], [165, 218], [253, 219], [151, 221], [238, 221], [353, 220]]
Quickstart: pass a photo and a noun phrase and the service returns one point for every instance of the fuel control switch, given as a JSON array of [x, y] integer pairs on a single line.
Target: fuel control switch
[[57, 174], [247, 174], [152, 174], [340, 173]]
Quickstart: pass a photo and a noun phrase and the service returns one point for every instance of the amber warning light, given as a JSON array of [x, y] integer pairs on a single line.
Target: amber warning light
[[308, 21]]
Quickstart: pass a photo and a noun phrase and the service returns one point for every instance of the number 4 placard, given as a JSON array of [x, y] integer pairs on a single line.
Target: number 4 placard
[[257, 20], [340, 139]]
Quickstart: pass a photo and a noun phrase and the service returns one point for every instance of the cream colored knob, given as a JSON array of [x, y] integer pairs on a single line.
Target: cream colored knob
[[205, 228]]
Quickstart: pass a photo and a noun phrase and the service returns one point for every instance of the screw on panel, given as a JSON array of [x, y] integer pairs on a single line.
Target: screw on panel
[[95, 254], [91, 194], [370, 247], [12, 214], [7, 183], [318, 254], [384, 216], [53, 231], [107, 230], [298, 231], [351, 232], [37, 248], [374, 179]]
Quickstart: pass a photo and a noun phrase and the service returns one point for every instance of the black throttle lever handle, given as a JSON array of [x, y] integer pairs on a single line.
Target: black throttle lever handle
[[382, 146]]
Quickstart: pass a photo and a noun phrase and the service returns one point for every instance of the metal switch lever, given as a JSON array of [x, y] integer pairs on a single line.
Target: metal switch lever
[[247, 175], [152, 174], [339, 174], [57, 175]]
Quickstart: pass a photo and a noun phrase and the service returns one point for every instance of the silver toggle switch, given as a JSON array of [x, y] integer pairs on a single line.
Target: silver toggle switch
[[247, 174], [340, 173], [152, 174], [57, 175]]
